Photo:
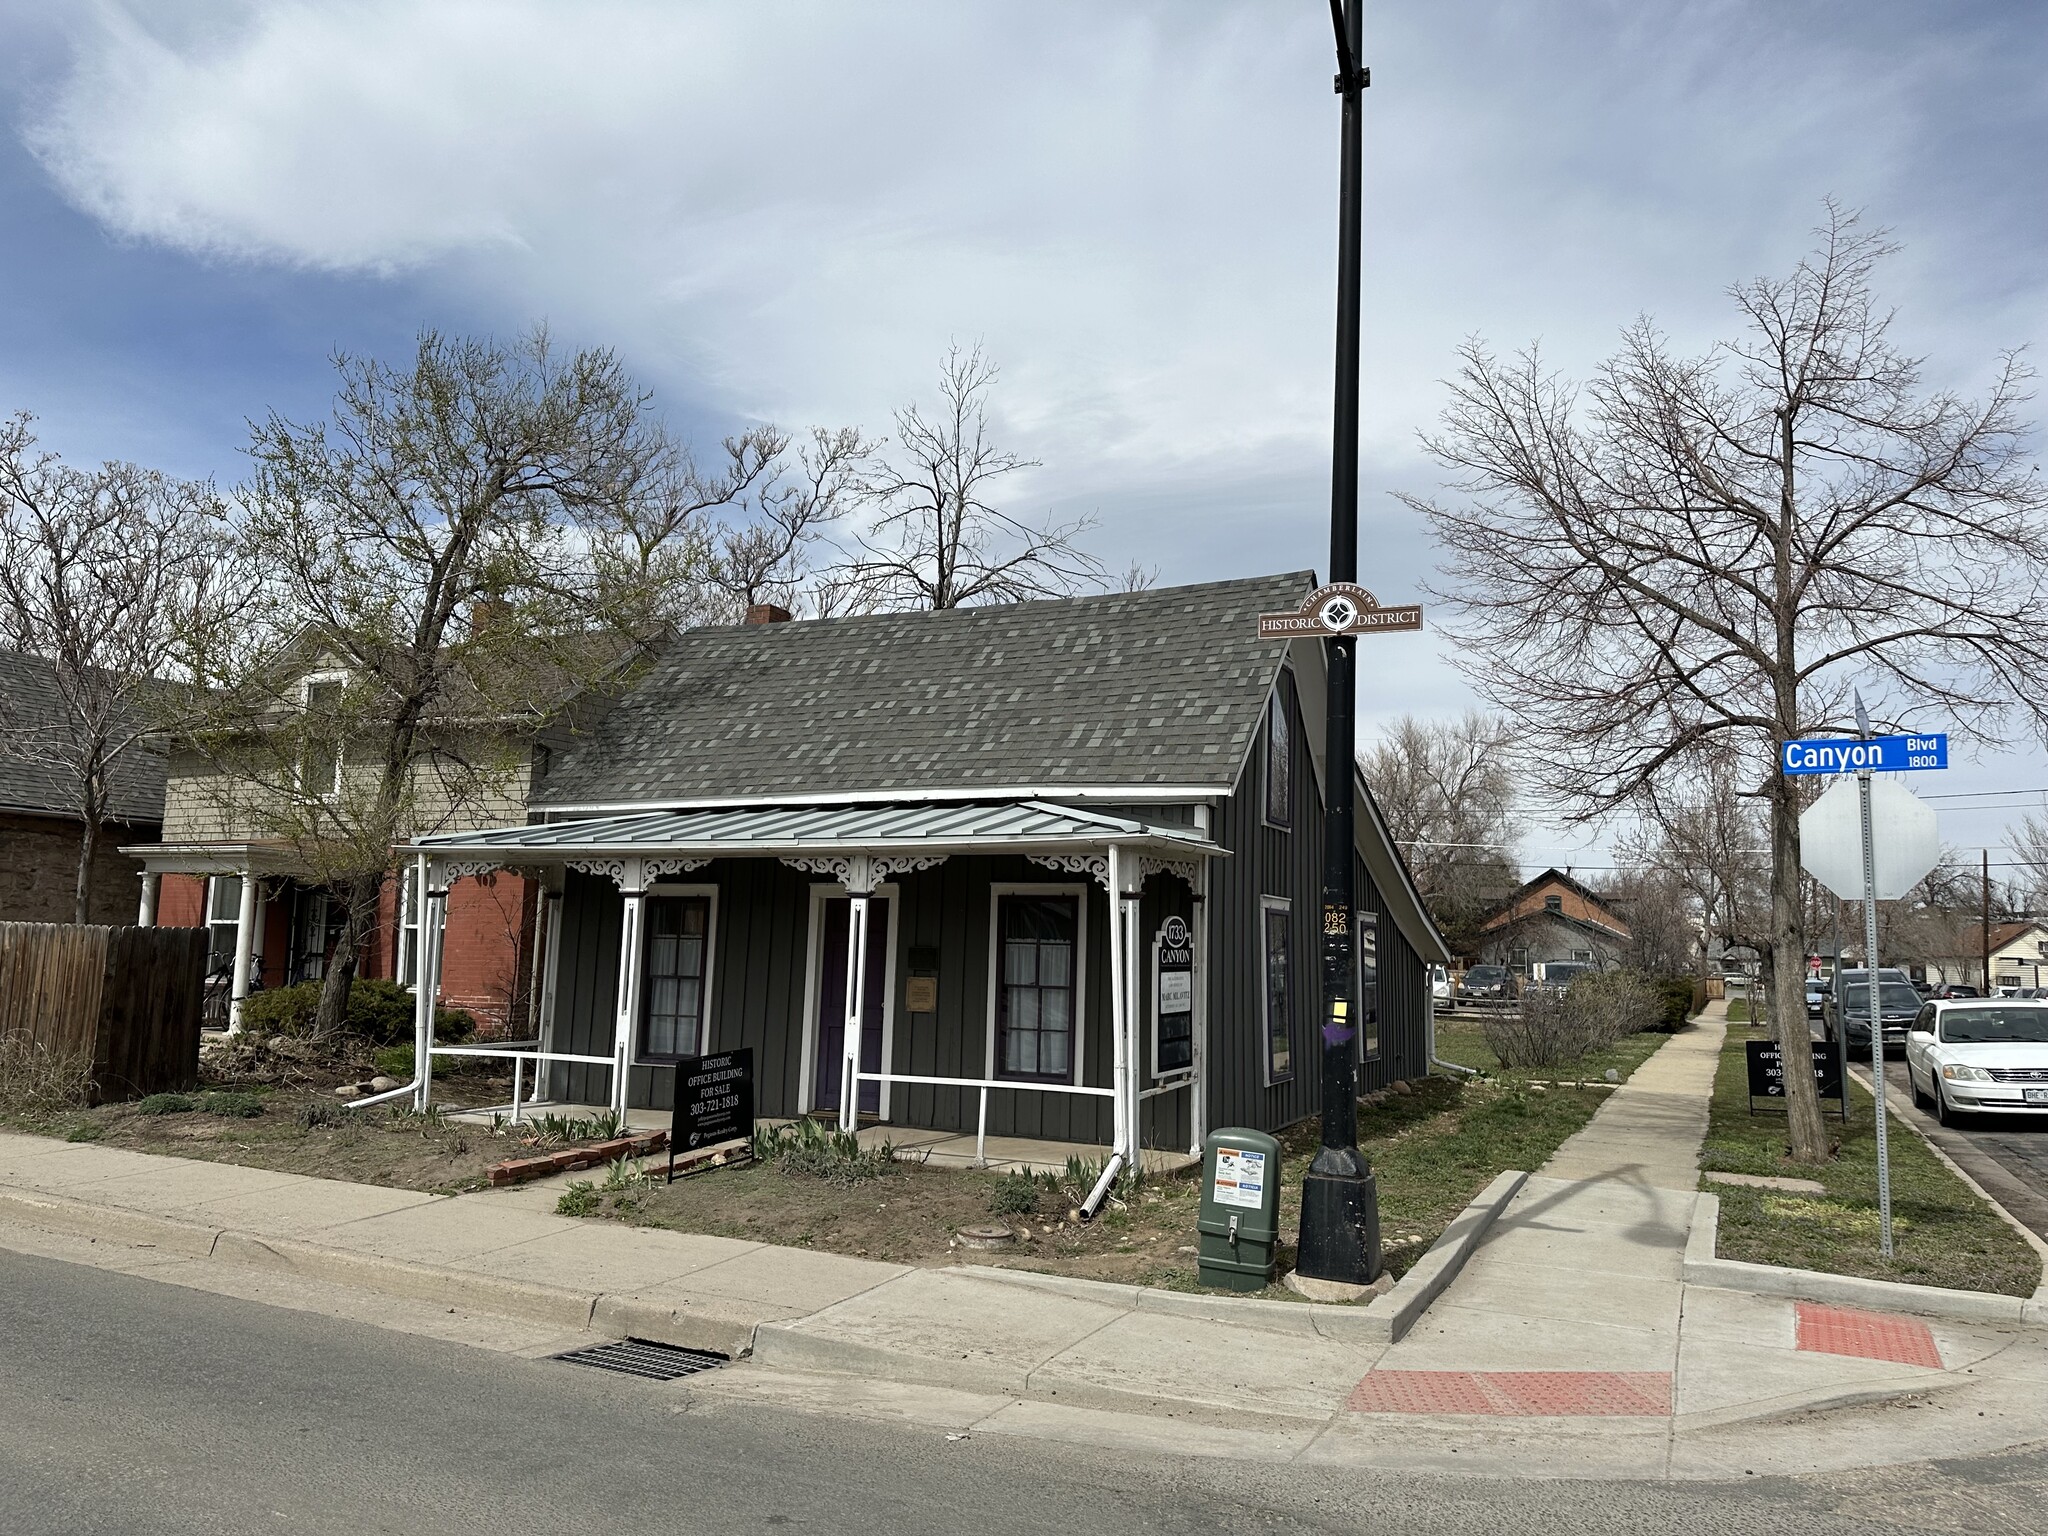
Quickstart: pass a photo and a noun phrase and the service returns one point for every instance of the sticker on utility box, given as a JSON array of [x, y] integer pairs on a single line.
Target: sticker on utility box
[[1240, 1177]]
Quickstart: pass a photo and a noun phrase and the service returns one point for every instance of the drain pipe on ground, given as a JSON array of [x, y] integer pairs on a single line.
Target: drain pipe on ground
[[1436, 1060], [1103, 1185]]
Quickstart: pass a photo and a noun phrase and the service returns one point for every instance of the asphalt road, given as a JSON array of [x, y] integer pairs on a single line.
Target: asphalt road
[[133, 1407], [2007, 1154]]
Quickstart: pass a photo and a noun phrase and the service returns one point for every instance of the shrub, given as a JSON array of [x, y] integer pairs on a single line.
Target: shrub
[[1615, 1004], [1675, 1000], [315, 1113], [37, 1080], [579, 1199], [86, 1130], [1015, 1194], [806, 1149], [165, 1104], [380, 1012], [235, 1106]]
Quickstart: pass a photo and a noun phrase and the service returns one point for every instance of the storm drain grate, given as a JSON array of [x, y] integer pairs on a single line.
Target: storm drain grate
[[652, 1362]]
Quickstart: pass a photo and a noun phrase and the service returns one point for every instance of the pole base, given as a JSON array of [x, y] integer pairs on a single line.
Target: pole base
[[1340, 1219]]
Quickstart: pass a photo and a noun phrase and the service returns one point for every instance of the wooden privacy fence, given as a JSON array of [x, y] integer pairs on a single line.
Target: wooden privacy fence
[[127, 998]]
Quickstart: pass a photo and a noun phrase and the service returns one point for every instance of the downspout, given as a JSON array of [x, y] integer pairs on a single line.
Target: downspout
[[1434, 1059]]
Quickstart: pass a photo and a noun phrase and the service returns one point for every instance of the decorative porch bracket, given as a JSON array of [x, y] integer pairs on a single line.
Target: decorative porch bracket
[[880, 867], [1094, 865]]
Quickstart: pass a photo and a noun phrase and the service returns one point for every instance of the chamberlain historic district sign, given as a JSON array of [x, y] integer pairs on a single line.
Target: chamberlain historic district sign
[[1341, 608]]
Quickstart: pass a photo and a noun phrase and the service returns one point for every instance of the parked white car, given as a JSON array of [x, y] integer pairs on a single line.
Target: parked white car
[[1440, 987], [1971, 1055]]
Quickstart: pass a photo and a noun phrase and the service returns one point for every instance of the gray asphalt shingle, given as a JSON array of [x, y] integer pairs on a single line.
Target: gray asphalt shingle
[[30, 707], [1144, 689]]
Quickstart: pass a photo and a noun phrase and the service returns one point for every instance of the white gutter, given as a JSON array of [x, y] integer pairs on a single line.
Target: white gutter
[[1131, 793]]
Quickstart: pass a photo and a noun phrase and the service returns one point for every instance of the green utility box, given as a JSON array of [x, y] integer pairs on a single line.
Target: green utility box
[[1240, 1219]]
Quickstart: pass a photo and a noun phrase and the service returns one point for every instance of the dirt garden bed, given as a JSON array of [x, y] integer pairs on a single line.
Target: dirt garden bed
[[1433, 1149]]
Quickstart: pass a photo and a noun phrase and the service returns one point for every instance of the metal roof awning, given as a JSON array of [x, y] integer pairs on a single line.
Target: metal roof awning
[[770, 831]]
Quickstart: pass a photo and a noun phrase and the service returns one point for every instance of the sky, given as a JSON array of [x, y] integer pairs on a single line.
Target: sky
[[787, 212]]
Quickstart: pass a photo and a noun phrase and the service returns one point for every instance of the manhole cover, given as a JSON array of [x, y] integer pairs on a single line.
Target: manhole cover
[[639, 1357], [986, 1237]]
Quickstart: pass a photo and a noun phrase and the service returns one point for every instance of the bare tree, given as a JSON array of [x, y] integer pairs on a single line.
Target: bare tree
[[97, 569], [1663, 922], [1448, 793], [765, 558], [2029, 848], [1714, 550], [439, 569], [937, 540]]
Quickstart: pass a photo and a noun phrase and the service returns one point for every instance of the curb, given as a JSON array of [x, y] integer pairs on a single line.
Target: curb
[[1395, 1313], [114, 1223], [1383, 1320], [1701, 1267]]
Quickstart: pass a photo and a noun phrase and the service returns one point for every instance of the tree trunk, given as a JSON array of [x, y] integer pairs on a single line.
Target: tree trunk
[[360, 899], [88, 845], [1788, 982]]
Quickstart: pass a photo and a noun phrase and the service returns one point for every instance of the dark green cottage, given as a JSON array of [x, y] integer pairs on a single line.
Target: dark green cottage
[[1046, 870]]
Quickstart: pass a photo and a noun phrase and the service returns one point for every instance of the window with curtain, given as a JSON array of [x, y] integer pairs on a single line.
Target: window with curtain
[[321, 767], [1279, 763], [677, 955], [1035, 1000], [1278, 918]]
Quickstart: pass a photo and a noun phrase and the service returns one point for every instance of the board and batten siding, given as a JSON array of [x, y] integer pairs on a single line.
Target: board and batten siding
[[1267, 861]]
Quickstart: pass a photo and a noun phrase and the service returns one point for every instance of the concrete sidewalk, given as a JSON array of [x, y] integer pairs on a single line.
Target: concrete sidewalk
[[1567, 1346]]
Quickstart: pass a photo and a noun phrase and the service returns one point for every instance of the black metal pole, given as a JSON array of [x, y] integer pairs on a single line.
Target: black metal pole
[[1340, 1221]]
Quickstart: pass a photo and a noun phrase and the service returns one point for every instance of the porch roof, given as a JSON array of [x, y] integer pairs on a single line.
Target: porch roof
[[935, 828]]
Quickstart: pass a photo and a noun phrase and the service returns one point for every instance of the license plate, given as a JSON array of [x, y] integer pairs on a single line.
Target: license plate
[[2034, 1095]]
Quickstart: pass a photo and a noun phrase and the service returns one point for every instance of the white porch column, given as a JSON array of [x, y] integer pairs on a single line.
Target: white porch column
[[859, 886], [633, 887], [1198, 1079], [550, 971], [1123, 1135], [1130, 910], [151, 881], [245, 950], [433, 881]]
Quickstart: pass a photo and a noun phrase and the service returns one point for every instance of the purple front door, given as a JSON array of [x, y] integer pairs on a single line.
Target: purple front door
[[831, 1021]]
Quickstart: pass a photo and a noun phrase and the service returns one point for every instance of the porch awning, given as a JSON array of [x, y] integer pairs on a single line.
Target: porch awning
[[751, 831]]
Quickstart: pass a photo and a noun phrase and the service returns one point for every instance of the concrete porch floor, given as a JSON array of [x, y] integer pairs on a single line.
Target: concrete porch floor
[[941, 1149]]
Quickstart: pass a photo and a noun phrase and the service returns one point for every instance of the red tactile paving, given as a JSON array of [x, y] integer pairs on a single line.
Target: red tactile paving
[[1569, 1394], [1866, 1335]]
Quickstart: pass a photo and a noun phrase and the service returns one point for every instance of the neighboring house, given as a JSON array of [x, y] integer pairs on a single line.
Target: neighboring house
[[1047, 841], [222, 865], [2019, 958], [40, 829], [1551, 918]]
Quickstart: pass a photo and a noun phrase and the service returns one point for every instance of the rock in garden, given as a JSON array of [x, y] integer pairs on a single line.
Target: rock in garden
[[348, 1091], [382, 1084], [1401, 1087]]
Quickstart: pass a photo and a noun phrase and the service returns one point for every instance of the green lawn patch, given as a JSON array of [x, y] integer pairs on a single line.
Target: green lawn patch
[[1738, 1010], [1943, 1233]]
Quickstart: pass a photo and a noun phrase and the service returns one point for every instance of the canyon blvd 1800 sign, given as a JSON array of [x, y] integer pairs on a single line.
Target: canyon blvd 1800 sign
[[1341, 608]]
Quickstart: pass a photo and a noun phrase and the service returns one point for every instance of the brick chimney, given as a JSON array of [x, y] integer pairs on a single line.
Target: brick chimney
[[768, 613]]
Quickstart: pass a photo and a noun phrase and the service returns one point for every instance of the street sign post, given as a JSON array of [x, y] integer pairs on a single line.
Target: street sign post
[[1839, 846]]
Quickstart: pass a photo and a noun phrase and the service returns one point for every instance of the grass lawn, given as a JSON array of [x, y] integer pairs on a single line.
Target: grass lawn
[[1432, 1150], [1943, 1234], [1738, 1010]]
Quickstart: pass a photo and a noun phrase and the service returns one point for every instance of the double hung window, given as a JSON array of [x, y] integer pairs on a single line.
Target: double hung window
[[223, 912], [1279, 763], [1276, 918], [1038, 941], [677, 963]]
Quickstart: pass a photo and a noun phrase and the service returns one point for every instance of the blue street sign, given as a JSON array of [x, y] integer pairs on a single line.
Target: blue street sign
[[1881, 754]]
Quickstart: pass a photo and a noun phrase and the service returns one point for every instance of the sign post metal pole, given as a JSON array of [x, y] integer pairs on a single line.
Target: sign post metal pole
[[1870, 961]]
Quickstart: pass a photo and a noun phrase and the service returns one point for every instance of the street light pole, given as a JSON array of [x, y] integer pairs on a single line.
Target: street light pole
[[1340, 1223]]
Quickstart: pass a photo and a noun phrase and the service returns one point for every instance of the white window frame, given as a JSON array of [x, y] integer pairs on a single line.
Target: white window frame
[[1584, 957], [231, 922], [307, 684], [1277, 904], [1369, 923], [823, 891], [679, 888], [998, 889], [1276, 710]]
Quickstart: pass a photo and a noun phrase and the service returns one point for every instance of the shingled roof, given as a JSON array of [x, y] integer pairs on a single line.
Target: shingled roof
[[1137, 690], [29, 707]]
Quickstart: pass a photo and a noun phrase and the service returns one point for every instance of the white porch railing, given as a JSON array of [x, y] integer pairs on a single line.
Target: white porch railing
[[522, 1051], [985, 1084]]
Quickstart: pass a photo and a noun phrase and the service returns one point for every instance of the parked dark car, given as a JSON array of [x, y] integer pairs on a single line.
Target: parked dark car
[[1485, 983], [1952, 989], [1848, 1007]]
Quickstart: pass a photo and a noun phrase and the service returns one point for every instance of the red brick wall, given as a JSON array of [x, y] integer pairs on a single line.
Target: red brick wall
[[181, 902], [484, 963]]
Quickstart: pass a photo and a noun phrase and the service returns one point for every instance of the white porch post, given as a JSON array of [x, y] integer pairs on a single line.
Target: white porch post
[[550, 971], [151, 880], [634, 888], [859, 886], [1198, 1079], [1123, 1135], [1130, 910], [433, 882], [245, 949]]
